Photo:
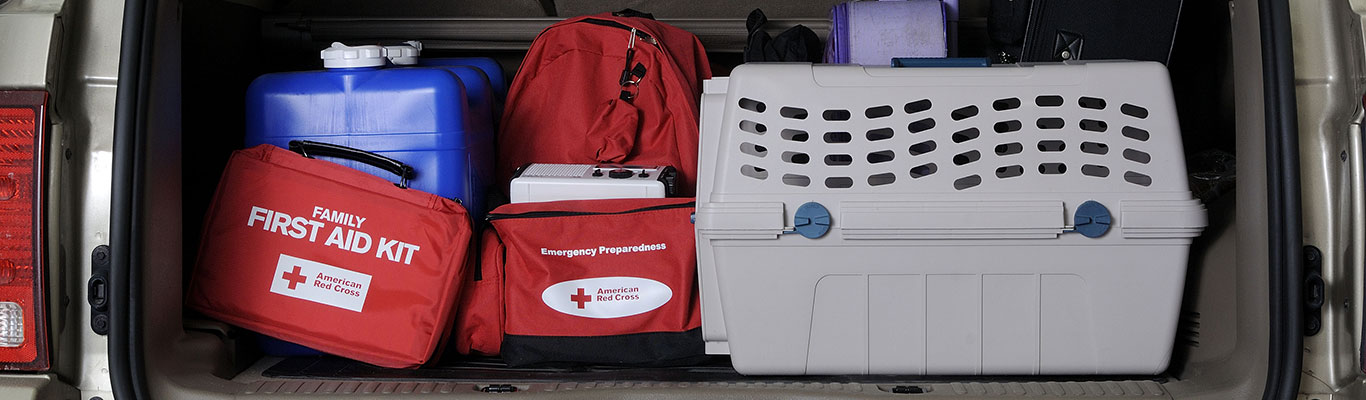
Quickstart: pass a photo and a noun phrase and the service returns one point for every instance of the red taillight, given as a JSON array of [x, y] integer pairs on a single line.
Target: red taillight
[[23, 297]]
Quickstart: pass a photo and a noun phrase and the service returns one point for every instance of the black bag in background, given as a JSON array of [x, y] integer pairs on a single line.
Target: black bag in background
[[1006, 23], [797, 43], [1140, 30], [1059, 30]]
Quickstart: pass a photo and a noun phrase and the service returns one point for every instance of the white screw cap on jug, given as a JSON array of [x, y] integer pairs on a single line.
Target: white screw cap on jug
[[343, 56], [403, 54]]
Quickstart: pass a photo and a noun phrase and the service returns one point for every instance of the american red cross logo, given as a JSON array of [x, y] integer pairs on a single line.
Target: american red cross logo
[[295, 277], [580, 298]]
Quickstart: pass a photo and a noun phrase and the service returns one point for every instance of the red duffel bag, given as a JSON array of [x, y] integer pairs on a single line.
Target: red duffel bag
[[603, 282], [614, 88], [329, 257]]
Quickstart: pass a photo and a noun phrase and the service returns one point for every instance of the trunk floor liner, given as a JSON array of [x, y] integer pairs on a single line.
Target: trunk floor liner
[[715, 370]]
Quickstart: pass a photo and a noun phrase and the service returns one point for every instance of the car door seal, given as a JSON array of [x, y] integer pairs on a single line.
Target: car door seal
[[1285, 262], [127, 372]]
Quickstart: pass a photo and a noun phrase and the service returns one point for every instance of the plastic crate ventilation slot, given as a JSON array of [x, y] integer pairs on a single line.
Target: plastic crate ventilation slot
[[922, 134]]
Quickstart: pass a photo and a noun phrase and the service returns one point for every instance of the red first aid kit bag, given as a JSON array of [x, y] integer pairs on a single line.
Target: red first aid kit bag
[[329, 257], [603, 282], [615, 88]]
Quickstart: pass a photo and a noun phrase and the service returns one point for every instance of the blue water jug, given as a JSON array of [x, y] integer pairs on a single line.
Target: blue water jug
[[480, 92], [490, 69], [429, 118], [408, 54], [420, 116]]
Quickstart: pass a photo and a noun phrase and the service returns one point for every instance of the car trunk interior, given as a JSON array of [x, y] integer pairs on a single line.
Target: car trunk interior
[[1221, 347]]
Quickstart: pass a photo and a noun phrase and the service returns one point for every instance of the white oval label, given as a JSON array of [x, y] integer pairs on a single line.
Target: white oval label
[[607, 297]]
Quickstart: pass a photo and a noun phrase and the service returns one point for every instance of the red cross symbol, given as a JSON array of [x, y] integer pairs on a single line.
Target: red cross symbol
[[580, 298], [295, 278]]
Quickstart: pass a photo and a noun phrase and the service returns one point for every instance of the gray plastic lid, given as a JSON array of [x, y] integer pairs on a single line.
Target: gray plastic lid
[[404, 54], [343, 56]]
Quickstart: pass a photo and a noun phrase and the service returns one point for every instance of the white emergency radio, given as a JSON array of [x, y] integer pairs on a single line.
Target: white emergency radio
[[552, 182]]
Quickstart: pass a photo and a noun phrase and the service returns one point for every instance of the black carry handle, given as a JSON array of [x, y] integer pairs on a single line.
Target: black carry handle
[[308, 148]]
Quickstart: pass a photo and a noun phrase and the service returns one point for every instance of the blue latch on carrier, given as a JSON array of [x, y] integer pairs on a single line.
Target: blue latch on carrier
[[1092, 219], [812, 220]]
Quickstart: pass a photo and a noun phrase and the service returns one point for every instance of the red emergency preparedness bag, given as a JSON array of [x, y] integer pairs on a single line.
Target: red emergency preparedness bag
[[329, 257], [607, 88], [479, 318], [606, 282]]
